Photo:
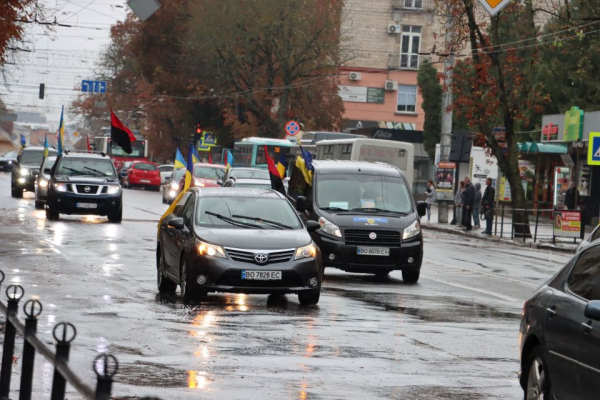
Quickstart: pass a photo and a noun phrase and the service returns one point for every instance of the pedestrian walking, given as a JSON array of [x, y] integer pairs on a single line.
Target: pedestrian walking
[[430, 199], [571, 197], [468, 201], [458, 203], [477, 206], [487, 205]]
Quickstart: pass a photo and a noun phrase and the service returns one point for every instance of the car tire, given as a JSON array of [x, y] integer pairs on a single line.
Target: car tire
[[537, 384], [410, 276], [186, 285], [165, 286], [51, 214], [382, 274], [39, 205], [16, 192], [116, 217], [309, 297]]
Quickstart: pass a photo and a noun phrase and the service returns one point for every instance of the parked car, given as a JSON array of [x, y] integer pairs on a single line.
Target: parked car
[[595, 235], [165, 171], [245, 173], [142, 174], [26, 170], [239, 241], [8, 161], [560, 333], [123, 170], [83, 183], [41, 184], [248, 183]]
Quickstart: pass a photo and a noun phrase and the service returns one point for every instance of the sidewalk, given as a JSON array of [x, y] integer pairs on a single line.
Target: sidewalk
[[544, 233]]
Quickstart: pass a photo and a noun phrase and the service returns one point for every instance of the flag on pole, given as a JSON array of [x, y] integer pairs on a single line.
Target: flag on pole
[[210, 161], [281, 166], [179, 161], [46, 147], [195, 156], [228, 159], [61, 132], [89, 148], [120, 134], [189, 173], [304, 164], [276, 182]]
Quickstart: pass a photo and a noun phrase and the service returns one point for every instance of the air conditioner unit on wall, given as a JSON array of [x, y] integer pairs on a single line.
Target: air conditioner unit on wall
[[394, 29], [355, 76], [391, 85]]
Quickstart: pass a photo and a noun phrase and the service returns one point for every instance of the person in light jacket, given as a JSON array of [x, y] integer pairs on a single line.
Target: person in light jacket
[[458, 203], [477, 206], [430, 199]]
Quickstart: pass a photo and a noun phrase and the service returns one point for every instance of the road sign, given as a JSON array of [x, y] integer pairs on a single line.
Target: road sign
[[292, 128], [93, 86], [494, 6], [594, 149]]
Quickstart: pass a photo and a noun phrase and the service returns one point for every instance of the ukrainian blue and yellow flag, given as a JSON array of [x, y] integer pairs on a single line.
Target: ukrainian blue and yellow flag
[[281, 166], [228, 159], [179, 161], [304, 164], [195, 156], [46, 147], [189, 174], [61, 132]]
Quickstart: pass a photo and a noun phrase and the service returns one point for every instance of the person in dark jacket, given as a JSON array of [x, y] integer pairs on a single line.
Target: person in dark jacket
[[571, 197], [468, 201], [487, 206], [477, 206]]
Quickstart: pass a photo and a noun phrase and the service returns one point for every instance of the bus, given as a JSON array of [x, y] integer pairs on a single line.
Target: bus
[[309, 142], [398, 154], [250, 152], [105, 145]]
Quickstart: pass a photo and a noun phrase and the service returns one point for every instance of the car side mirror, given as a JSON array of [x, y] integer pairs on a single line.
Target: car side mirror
[[48, 171], [219, 182], [312, 226], [421, 208], [301, 203], [592, 310], [176, 223]]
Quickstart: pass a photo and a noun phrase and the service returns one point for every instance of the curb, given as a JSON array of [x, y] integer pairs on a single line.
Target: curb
[[539, 246]]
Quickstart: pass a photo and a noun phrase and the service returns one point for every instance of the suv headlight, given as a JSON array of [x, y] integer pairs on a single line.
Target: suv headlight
[[329, 227], [43, 183], [413, 230], [309, 251], [113, 189], [60, 187], [212, 250], [24, 171]]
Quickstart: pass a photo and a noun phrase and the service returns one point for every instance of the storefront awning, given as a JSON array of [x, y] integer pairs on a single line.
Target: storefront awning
[[542, 148]]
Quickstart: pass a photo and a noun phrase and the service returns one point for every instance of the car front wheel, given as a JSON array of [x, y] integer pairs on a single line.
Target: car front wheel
[[186, 285], [16, 192], [165, 286], [538, 385], [51, 214], [410, 276], [309, 297]]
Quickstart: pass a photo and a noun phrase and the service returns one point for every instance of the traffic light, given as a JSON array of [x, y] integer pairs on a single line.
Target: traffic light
[[198, 129], [42, 88]]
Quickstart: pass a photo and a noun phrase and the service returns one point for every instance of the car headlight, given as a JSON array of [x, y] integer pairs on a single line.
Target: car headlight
[[60, 187], [43, 183], [24, 171], [309, 251], [413, 230], [174, 186], [172, 194], [212, 250], [329, 227], [113, 189], [9, 162]]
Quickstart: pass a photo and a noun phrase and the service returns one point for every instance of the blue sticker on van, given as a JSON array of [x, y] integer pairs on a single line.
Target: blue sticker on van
[[369, 221]]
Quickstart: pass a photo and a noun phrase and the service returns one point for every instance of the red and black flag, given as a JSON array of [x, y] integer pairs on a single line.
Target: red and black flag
[[120, 134], [276, 182]]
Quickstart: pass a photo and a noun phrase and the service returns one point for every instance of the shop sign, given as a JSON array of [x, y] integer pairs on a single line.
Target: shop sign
[[444, 177], [550, 132], [573, 130], [362, 94], [567, 223]]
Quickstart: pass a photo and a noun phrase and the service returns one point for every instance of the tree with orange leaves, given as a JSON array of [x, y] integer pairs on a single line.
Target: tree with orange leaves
[[11, 31]]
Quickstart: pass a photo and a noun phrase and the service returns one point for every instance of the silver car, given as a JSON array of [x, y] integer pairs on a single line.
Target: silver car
[[41, 183], [595, 235]]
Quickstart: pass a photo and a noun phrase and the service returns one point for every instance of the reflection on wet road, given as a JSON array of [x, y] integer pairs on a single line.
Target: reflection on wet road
[[453, 335]]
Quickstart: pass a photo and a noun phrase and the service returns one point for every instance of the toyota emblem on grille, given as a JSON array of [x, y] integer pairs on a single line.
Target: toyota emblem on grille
[[87, 189], [372, 236], [261, 258]]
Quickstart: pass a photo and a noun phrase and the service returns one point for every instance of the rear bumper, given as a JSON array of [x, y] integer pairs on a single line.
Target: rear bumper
[[67, 203], [140, 181]]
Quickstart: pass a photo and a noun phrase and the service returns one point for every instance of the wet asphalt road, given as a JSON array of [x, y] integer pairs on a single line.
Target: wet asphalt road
[[451, 336]]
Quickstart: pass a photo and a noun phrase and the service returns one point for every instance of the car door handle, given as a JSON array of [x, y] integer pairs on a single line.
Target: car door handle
[[551, 311], [587, 326]]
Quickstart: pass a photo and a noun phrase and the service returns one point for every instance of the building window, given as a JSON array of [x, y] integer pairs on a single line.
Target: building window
[[409, 47], [413, 4], [407, 98]]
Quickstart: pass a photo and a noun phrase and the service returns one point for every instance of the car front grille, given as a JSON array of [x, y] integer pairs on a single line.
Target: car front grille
[[248, 256], [372, 261], [361, 237], [233, 277], [81, 189]]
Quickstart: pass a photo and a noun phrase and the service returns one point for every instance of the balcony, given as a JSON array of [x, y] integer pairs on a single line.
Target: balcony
[[403, 61], [414, 5]]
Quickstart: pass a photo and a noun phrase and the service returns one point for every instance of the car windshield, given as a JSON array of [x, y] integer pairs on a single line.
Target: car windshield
[[250, 174], [178, 175], [253, 185], [246, 212], [34, 156], [86, 166], [48, 164], [364, 193], [146, 167], [11, 154], [209, 173]]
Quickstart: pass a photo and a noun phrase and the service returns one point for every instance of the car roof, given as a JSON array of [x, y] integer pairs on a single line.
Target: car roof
[[345, 166], [251, 180], [145, 162], [233, 192], [209, 165], [37, 148], [248, 169], [85, 155], [166, 165]]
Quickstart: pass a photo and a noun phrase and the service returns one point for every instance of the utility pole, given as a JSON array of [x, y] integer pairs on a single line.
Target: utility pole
[[444, 198]]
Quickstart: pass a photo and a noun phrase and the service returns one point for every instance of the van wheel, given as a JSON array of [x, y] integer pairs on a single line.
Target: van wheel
[[309, 297], [39, 205], [51, 214], [117, 217], [410, 276]]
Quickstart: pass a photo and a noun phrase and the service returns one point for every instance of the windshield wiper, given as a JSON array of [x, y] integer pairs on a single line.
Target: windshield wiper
[[333, 209], [266, 221], [96, 171], [74, 170], [375, 209], [233, 221]]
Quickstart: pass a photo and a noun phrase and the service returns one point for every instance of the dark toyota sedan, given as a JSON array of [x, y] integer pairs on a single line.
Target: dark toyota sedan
[[560, 333], [239, 241]]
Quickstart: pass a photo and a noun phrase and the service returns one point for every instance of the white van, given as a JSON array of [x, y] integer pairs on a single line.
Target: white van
[[398, 154]]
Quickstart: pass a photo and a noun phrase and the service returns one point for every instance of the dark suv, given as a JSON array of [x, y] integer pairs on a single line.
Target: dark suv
[[83, 183], [26, 170]]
